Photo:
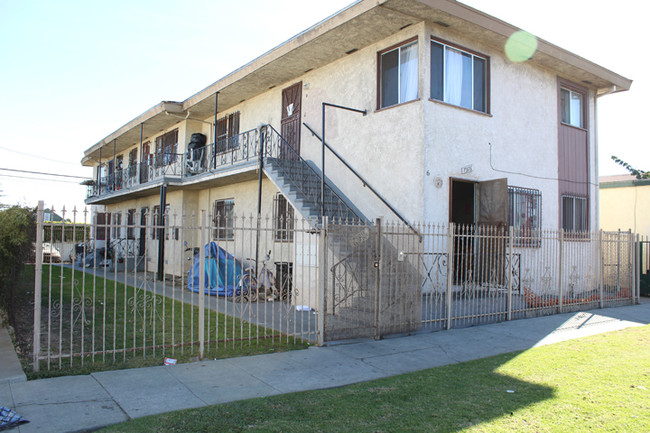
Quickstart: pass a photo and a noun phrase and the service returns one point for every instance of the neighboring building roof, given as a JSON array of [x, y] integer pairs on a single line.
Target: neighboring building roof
[[621, 181], [353, 28]]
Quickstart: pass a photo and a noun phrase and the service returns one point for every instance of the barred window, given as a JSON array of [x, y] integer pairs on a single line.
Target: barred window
[[223, 220], [283, 215], [574, 214], [156, 227], [116, 226], [525, 215], [130, 224]]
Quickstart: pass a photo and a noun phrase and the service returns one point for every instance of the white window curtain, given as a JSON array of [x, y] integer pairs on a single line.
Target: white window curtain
[[409, 73], [458, 76], [453, 76]]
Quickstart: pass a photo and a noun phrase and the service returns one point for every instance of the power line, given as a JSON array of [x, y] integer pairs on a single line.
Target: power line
[[39, 157], [44, 174], [40, 179]]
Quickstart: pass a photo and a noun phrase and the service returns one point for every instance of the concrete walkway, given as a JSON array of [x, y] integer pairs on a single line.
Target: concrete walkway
[[77, 403]]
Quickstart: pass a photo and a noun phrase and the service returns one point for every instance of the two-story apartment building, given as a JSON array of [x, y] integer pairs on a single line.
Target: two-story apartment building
[[453, 131]]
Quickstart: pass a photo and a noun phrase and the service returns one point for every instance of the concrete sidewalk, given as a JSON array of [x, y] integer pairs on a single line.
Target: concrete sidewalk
[[76, 403]]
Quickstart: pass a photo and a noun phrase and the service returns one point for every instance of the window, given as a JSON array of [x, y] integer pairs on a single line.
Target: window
[[227, 132], [133, 161], [102, 223], [158, 229], [116, 226], [223, 220], [130, 223], [572, 107], [166, 147], [283, 215], [459, 77], [525, 215], [574, 213], [398, 74]]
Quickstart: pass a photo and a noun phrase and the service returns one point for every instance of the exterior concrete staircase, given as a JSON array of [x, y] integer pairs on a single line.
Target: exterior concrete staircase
[[369, 277]]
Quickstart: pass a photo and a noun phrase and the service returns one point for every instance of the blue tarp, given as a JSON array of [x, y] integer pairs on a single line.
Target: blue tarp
[[222, 272]]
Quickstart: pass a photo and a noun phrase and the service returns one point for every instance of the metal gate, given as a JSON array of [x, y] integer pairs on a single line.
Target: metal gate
[[372, 288]]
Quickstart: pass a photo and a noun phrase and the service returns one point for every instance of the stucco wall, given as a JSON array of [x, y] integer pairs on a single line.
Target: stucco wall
[[403, 150], [625, 208]]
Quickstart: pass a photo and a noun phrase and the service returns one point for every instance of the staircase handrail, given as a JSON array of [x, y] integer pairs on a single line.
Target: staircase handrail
[[365, 182], [296, 155]]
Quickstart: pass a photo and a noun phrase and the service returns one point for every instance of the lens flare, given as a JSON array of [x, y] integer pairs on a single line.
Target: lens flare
[[521, 46]]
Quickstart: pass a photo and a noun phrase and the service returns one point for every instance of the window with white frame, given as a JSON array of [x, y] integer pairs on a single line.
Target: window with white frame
[[572, 107], [398, 74], [574, 214], [525, 215], [223, 220], [459, 77], [283, 215]]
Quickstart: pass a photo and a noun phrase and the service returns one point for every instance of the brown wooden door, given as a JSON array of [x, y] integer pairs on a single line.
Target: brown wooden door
[[290, 125], [491, 230], [144, 163]]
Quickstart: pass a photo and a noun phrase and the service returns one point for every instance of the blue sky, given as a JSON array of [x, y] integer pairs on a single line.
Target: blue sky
[[74, 71]]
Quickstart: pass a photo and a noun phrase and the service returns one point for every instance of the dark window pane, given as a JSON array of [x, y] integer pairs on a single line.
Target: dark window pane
[[479, 84], [437, 67], [565, 105], [389, 77]]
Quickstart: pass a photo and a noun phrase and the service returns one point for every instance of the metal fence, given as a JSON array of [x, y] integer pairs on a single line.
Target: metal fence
[[135, 289]]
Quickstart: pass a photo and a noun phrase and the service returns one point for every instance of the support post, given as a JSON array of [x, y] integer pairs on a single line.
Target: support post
[[511, 237], [160, 231], [560, 300], [322, 181], [450, 272], [601, 270], [202, 286], [377, 265], [262, 137], [618, 262], [139, 171], [322, 280], [634, 241], [38, 287], [214, 141]]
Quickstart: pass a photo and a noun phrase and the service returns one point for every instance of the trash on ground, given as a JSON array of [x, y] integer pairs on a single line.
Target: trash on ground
[[170, 361], [9, 418]]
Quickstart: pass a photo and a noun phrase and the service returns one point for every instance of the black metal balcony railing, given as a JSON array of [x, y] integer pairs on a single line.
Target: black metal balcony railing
[[222, 155]]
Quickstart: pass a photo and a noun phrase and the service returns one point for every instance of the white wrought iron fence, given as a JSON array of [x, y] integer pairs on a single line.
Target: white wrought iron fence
[[199, 285]]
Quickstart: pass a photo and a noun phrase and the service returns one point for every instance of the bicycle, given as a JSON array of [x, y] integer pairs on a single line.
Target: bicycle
[[261, 288]]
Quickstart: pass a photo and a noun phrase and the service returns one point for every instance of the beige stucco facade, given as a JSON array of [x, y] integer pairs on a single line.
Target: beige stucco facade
[[625, 204], [410, 152]]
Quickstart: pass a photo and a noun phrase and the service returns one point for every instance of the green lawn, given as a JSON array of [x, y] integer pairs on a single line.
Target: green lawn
[[594, 384], [105, 324]]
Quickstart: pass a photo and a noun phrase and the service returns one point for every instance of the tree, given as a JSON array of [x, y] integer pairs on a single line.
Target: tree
[[17, 233], [639, 174]]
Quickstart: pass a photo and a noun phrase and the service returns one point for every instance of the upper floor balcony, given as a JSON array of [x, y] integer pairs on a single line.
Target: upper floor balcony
[[228, 156]]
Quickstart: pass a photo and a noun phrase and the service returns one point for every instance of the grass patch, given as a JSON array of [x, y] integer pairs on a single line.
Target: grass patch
[[89, 324], [599, 383]]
